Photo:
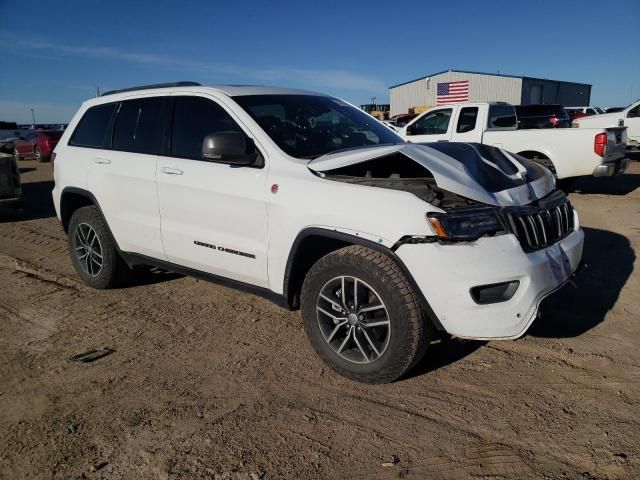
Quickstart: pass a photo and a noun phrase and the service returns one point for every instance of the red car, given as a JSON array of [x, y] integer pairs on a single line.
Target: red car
[[36, 144]]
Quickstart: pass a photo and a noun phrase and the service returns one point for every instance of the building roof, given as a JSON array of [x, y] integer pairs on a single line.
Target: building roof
[[486, 73]]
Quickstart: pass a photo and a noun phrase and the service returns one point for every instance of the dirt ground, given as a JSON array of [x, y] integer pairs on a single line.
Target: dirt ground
[[207, 382]]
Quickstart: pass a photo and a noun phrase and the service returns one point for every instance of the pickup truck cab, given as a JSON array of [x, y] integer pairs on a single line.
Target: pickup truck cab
[[567, 152], [629, 117]]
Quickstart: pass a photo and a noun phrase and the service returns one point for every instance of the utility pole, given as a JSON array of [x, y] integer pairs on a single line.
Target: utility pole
[[33, 116]]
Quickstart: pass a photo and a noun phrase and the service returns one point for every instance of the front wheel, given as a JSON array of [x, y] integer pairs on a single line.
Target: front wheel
[[93, 250], [362, 315]]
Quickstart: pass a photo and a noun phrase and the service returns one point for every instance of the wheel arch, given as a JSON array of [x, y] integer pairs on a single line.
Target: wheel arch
[[73, 198], [313, 243], [539, 157]]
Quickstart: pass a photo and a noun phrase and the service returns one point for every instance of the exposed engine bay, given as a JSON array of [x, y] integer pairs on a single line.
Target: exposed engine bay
[[446, 175], [396, 171]]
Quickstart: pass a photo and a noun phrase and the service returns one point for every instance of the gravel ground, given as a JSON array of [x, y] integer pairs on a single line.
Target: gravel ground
[[201, 381]]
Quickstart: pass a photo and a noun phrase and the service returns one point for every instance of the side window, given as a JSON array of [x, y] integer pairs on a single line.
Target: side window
[[590, 111], [92, 127], [502, 116], [433, 123], [138, 126], [193, 119], [634, 112], [467, 119]]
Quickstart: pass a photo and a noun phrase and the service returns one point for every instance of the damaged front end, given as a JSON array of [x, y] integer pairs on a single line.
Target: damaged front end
[[475, 190]]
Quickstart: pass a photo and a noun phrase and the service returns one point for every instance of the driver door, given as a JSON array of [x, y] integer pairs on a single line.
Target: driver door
[[213, 215], [433, 126]]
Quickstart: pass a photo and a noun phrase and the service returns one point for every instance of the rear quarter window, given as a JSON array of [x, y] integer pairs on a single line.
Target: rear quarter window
[[92, 127], [502, 117]]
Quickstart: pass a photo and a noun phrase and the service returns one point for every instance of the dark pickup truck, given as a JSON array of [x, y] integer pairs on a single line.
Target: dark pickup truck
[[10, 187]]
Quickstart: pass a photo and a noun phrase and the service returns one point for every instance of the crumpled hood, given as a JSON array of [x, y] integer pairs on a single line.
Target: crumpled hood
[[479, 172]]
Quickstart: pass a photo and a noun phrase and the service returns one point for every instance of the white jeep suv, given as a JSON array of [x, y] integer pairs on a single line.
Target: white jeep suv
[[309, 200]]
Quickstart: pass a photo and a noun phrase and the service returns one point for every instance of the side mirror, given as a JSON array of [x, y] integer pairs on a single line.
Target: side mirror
[[228, 147]]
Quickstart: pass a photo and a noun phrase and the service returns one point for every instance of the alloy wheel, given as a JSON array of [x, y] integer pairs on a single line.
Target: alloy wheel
[[353, 319], [88, 249]]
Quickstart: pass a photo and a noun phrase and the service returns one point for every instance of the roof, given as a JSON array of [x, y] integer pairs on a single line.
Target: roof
[[485, 73], [231, 90]]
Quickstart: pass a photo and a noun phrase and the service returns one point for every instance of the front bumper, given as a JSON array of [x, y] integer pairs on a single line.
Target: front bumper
[[611, 168], [446, 274]]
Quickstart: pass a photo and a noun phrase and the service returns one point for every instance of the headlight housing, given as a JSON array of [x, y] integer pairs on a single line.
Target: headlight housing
[[467, 225]]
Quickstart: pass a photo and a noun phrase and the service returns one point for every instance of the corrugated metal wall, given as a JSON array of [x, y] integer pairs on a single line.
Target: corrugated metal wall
[[482, 88]]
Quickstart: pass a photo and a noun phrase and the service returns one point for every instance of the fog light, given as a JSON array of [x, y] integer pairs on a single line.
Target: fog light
[[494, 293]]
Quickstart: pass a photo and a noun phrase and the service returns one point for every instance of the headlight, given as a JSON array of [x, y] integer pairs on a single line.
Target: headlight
[[466, 225]]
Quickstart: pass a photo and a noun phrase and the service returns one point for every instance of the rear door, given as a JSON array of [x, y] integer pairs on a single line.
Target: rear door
[[214, 215], [434, 126], [122, 176]]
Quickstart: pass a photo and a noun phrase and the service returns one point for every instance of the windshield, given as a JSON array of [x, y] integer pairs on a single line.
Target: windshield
[[309, 126]]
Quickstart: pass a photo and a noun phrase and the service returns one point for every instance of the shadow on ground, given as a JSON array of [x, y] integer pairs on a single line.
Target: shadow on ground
[[619, 185], [608, 263], [36, 202], [145, 275]]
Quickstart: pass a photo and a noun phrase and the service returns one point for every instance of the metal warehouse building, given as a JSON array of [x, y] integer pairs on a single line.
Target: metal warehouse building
[[485, 87]]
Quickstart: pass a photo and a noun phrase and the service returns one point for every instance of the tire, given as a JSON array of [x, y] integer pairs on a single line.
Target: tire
[[397, 349], [37, 155], [88, 227]]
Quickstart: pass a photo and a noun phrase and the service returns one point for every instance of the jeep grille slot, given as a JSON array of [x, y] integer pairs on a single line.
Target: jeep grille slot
[[537, 228]]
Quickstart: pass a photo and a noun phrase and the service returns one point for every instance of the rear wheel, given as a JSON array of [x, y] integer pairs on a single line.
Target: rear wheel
[[363, 317], [37, 154], [93, 250]]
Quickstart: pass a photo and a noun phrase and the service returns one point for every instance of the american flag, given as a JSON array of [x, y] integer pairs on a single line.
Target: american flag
[[452, 92]]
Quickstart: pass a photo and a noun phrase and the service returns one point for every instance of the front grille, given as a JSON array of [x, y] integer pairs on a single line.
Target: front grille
[[537, 227]]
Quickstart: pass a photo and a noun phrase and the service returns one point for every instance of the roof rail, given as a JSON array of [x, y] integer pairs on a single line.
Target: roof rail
[[148, 87]]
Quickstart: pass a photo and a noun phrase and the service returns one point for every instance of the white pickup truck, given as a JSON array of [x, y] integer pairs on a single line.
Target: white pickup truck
[[629, 117], [567, 152]]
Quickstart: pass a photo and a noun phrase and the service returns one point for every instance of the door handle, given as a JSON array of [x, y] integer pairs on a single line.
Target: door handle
[[171, 171], [101, 160]]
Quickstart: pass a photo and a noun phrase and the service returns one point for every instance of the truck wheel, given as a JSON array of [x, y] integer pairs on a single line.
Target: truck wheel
[[93, 250], [362, 315]]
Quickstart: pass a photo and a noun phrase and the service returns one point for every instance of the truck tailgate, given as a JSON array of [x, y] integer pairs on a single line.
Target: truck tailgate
[[616, 143]]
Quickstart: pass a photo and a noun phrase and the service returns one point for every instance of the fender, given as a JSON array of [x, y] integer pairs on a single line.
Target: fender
[[89, 196], [289, 283]]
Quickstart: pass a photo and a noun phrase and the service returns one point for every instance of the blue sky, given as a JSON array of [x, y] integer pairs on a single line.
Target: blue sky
[[54, 54]]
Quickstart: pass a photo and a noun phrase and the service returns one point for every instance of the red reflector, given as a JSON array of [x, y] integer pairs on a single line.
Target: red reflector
[[554, 121], [600, 144]]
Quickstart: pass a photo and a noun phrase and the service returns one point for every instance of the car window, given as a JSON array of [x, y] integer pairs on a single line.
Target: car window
[[193, 119], [467, 119], [634, 112], [137, 127], [502, 116], [433, 123], [590, 111], [308, 126], [92, 128]]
